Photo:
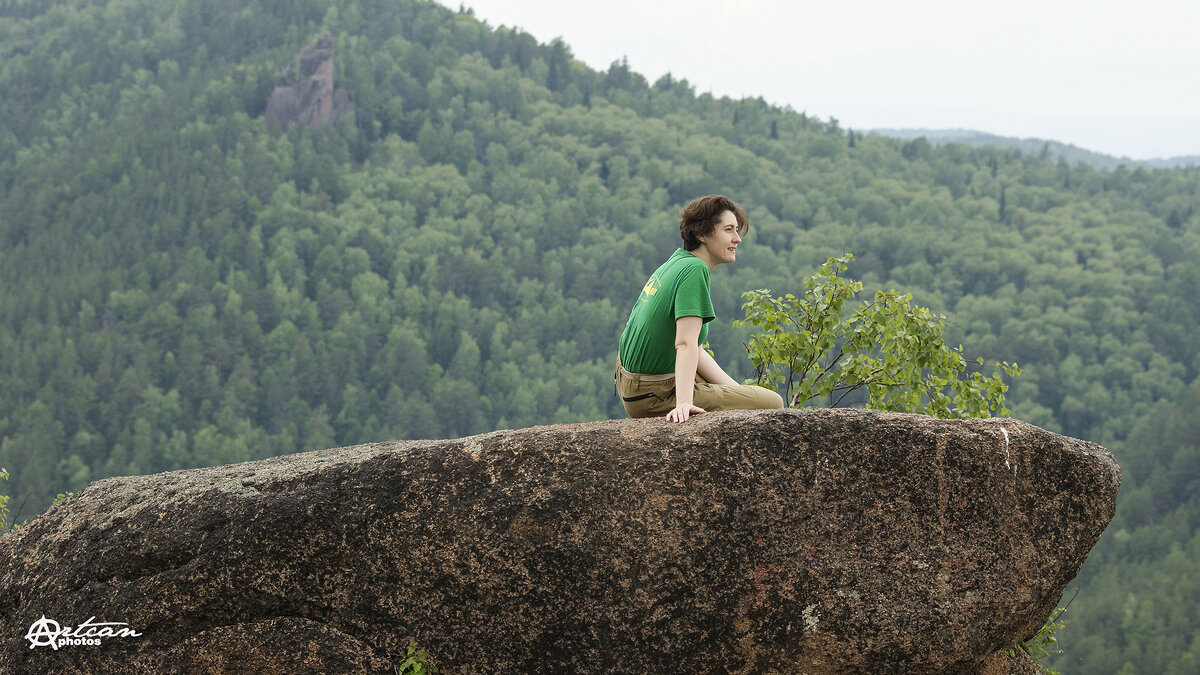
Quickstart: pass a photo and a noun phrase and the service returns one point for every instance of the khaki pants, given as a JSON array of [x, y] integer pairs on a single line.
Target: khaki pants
[[653, 395]]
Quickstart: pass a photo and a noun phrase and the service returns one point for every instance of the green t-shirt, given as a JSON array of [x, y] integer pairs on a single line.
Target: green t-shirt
[[678, 288]]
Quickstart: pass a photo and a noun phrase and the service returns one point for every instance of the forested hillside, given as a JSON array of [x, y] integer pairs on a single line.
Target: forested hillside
[[183, 283], [1045, 149]]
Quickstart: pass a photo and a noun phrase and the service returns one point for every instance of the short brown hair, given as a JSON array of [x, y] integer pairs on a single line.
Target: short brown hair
[[699, 219]]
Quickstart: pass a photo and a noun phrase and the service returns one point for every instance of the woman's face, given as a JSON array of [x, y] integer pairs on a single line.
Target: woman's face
[[721, 246]]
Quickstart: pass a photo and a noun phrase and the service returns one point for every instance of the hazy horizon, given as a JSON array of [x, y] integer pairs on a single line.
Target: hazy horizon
[[1091, 75]]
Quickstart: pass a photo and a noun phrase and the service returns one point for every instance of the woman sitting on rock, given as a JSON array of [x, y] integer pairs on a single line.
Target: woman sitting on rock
[[661, 367]]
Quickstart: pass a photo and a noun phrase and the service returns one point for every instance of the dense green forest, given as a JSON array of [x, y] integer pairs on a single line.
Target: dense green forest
[[185, 283]]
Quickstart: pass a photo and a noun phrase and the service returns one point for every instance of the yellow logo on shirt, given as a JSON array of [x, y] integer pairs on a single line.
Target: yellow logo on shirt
[[650, 288]]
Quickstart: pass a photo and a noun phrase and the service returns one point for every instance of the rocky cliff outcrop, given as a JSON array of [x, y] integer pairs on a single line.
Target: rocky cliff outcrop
[[831, 541], [305, 94]]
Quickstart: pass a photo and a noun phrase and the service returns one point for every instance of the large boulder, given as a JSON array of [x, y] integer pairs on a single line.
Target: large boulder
[[828, 541]]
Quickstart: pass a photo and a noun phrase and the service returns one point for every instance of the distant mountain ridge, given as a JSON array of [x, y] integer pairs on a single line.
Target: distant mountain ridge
[[1054, 149]]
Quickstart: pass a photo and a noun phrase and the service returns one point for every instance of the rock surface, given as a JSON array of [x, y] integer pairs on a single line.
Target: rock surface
[[827, 541], [305, 94]]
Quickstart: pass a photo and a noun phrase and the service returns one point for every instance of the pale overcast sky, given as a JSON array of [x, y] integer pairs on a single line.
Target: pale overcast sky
[[1118, 78]]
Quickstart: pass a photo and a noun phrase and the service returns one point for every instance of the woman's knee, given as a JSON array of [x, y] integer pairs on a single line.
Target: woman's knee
[[770, 400]]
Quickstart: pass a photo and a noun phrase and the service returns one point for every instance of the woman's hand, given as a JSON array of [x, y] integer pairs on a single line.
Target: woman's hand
[[682, 412]]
